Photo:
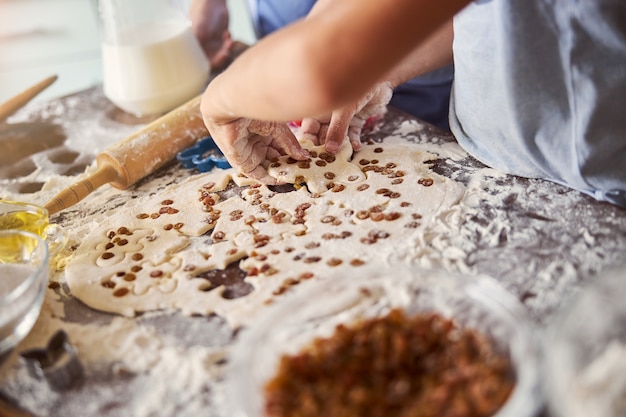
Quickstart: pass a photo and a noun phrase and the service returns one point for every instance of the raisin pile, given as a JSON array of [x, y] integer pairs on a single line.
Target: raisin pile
[[419, 366]]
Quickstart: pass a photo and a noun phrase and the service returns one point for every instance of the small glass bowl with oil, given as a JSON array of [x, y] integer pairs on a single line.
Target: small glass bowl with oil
[[34, 219], [24, 275]]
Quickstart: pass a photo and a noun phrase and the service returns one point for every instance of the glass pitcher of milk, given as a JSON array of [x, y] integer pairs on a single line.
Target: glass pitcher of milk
[[151, 60]]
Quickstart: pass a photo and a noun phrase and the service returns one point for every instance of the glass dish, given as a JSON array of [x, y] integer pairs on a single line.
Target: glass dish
[[32, 218], [317, 307], [585, 351], [23, 280]]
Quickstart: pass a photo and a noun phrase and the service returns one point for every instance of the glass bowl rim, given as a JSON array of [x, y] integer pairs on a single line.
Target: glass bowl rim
[[485, 292]]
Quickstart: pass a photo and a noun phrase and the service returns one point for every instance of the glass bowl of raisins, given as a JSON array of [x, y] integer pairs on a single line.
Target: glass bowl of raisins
[[585, 350], [396, 341]]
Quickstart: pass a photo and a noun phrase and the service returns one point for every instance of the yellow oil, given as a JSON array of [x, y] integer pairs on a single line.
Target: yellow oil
[[18, 216], [30, 221], [16, 248]]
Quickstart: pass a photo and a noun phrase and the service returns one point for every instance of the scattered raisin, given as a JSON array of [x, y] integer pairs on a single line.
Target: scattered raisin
[[312, 259], [357, 262], [426, 182], [120, 292], [334, 262], [328, 157]]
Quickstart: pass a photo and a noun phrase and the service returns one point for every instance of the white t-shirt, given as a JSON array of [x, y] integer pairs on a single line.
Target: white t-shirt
[[540, 90]]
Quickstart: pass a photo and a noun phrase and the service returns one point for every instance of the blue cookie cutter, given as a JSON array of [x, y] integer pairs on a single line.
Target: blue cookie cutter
[[204, 156]]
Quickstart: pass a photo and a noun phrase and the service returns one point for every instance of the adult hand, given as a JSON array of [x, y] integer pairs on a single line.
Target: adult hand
[[209, 23], [349, 120], [249, 145]]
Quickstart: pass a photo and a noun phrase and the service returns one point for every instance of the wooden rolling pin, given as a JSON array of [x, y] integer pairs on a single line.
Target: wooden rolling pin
[[138, 155]]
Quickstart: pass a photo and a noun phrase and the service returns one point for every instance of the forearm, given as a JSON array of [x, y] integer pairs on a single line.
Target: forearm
[[315, 65]]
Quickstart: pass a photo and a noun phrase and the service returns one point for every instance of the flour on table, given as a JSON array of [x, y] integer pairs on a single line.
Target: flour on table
[[342, 213]]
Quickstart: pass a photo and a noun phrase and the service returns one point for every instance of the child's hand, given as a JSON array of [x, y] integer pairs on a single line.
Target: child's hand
[[348, 121]]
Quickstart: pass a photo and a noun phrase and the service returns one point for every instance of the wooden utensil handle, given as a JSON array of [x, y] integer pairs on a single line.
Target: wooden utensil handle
[[140, 154], [76, 192], [14, 104], [156, 144]]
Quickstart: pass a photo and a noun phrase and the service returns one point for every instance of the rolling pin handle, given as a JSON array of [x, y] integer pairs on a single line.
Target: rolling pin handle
[[140, 154], [76, 192]]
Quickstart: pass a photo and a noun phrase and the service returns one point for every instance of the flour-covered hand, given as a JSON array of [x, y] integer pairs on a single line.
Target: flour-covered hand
[[349, 120], [249, 145]]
